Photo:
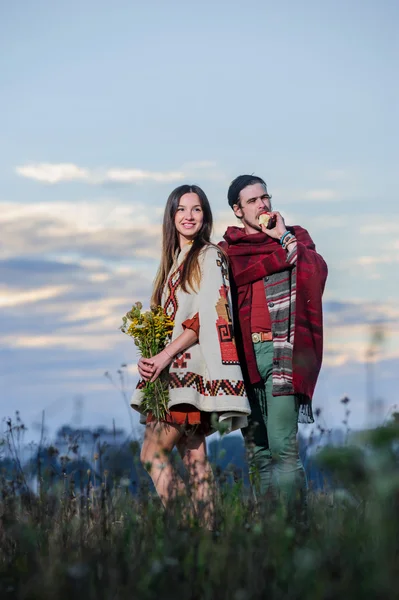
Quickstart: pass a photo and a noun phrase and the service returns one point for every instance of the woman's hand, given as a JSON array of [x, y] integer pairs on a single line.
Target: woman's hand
[[159, 362], [150, 368], [146, 368]]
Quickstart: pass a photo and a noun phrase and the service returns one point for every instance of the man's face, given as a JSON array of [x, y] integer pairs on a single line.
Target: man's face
[[253, 201]]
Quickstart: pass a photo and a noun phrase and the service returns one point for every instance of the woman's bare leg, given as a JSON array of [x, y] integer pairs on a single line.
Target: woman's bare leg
[[159, 441], [192, 449]]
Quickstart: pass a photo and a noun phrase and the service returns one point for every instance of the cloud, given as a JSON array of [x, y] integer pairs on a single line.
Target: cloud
[[89, 343], [360, 312], [12, 297], [367, 261], [74, 269], [69, 271], [53, 173], [380, 227], [350, 328], [139, 176], [102, 230], [34, 271], [77, 305]]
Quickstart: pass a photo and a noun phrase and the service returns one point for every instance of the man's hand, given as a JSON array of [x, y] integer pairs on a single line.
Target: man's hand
[[279, 229]]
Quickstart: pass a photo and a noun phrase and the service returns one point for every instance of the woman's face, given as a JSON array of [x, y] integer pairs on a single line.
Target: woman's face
[[188, 218]]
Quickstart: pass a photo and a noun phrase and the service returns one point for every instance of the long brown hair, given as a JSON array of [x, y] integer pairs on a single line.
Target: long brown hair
[[191, 274]]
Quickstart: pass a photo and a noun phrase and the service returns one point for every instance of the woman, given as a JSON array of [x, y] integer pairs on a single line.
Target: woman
[[205, 380]]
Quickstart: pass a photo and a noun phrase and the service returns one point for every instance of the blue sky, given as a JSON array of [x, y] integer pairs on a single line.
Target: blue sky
[[107, 108]]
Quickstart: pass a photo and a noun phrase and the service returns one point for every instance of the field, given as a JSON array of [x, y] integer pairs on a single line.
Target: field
[[85, 537]]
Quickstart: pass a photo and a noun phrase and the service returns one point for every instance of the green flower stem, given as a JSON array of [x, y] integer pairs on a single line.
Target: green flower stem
[[156, 393]]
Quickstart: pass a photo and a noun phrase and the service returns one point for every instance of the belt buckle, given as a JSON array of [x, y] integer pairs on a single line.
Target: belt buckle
[[256, 337]]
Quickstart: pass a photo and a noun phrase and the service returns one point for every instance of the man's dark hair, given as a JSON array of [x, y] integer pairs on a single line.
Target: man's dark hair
[[238, 184]]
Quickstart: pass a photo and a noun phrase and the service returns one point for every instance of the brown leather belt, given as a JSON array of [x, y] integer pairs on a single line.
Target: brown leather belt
[[262, 336]]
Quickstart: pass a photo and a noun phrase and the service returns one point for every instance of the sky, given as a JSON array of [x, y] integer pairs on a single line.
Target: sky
[[107, 107]]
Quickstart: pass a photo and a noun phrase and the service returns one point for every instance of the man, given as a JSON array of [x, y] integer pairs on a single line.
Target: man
[[277, 283]]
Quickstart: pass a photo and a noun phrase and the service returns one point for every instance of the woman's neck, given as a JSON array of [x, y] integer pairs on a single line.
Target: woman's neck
[[183, 242]]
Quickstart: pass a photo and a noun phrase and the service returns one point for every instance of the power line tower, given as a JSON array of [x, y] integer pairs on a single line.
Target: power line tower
[[375, 405]]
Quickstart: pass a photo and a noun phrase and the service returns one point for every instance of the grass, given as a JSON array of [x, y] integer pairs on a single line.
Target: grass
[[90, 538]]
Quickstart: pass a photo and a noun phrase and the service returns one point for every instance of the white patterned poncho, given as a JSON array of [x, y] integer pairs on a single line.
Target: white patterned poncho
[[207, 375]]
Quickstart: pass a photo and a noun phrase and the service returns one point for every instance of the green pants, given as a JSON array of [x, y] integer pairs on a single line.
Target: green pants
[[271, 438]]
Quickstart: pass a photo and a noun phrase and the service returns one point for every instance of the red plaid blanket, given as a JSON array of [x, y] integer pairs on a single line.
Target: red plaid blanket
[[294, 285]]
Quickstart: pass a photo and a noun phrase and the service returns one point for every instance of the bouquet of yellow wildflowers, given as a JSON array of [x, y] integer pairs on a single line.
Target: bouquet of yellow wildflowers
[[151, 330]]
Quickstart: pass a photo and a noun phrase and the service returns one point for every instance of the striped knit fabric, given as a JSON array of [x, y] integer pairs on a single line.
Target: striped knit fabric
[[281, 299]]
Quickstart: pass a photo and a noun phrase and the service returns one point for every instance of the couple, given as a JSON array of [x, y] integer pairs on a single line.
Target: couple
[[261, 378]]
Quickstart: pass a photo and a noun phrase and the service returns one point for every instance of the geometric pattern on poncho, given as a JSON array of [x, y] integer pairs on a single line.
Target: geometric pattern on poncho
[[180, 360], [224, 326], [218, 387], [171, 304]]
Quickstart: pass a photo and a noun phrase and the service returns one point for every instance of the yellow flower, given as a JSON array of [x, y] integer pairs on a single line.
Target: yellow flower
[[151, 330]]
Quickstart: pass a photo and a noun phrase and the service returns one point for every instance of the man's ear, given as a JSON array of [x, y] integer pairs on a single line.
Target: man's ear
[[237, 211]]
